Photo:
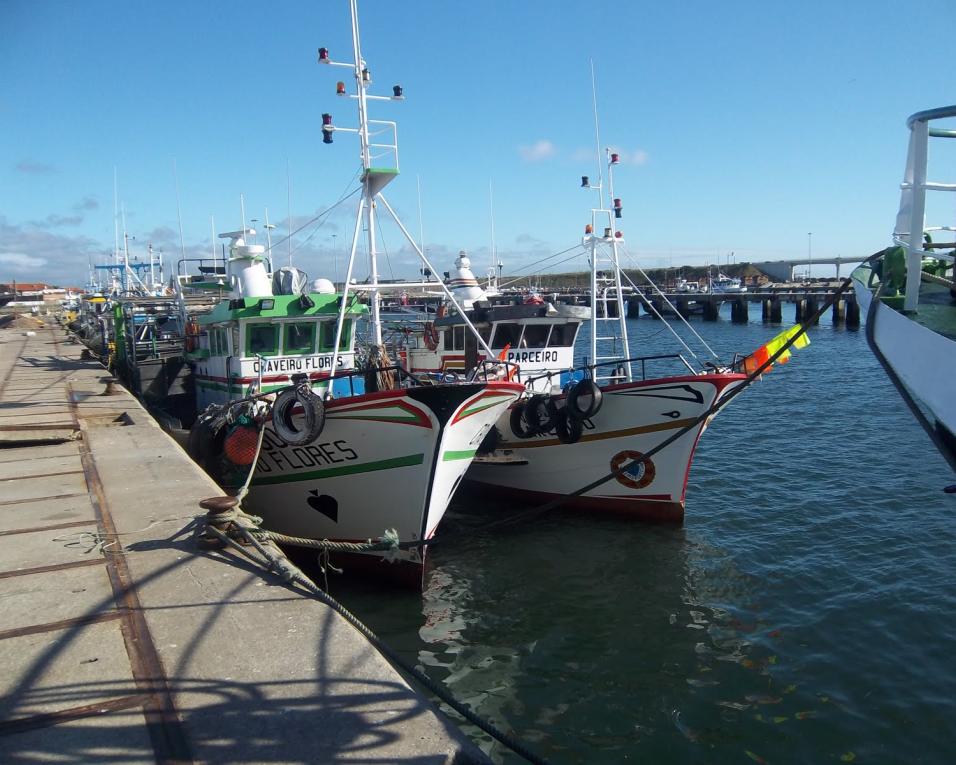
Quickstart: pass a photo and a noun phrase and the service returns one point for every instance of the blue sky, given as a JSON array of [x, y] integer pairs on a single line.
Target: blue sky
[[744, 125]]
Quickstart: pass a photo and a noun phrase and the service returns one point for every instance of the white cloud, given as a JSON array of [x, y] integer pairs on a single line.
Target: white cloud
[[538, 151], [21, 262]]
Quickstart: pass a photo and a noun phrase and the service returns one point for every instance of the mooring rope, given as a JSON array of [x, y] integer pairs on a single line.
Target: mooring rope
[[279, 564]]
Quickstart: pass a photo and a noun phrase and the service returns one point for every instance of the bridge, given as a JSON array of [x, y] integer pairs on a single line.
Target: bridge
[[782, 270]]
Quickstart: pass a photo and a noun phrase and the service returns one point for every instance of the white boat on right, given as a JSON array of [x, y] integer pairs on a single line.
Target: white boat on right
[[908, 293]]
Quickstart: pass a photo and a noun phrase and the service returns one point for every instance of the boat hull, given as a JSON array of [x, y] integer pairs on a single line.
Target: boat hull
[[634, 418], [388, 460], [924, 361]]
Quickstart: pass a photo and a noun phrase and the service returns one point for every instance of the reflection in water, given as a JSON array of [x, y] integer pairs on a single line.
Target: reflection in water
[[590, 637], [797, 617]]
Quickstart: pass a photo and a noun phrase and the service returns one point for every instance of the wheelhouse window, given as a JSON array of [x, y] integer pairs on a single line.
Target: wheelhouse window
[[299, 338], [454, 338], [262, 339], [535, 336], [327, 336], [507, 334], [562, 335]]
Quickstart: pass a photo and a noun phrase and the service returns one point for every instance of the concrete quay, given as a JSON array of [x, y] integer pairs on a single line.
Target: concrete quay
[[122, 642]]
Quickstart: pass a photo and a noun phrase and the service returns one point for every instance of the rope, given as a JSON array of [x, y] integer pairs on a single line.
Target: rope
[[290, 573]]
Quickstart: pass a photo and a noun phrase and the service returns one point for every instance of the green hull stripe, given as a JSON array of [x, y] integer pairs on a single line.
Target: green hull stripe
[[368, 467], [467, 454]]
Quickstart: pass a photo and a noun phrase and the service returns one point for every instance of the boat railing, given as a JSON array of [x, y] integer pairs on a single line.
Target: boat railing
[[589, 369]]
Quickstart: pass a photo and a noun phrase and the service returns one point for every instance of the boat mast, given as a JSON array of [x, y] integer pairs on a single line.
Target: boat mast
[[373, 181], [611, 237]]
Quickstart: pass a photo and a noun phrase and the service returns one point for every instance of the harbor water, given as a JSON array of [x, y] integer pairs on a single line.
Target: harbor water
[[803, 612]]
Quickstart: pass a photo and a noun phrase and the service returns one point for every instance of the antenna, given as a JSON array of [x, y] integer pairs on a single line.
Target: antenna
[[494, 247], [288, 191], [242, 210], [115, 218], [421, 227], [179, 212], [597, 134]]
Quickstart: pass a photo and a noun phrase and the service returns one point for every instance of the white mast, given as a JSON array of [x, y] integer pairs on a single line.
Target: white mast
[[610, 237], [373, 181]]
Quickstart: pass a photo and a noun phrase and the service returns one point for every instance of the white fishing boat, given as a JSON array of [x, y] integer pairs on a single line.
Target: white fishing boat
[[351, 449], [908, 294], [723, 284], [580, 422]]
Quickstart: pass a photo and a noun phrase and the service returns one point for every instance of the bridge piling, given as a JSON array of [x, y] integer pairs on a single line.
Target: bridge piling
[[740, 311], [711, 309], [839, 312], [852, 314]]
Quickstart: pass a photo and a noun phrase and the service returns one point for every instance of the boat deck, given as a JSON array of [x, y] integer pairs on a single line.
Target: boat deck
[[121, 641]]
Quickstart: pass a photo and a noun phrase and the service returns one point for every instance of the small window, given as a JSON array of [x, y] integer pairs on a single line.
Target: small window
[[299, 338], [535, 336], [507, 334], [216, 342], [328, 336], [263, 339], [562, 335], [448, 340], [459, 338], [485, 334]]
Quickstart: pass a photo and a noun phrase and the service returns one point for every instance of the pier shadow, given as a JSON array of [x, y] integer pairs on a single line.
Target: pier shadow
[[338, 708]]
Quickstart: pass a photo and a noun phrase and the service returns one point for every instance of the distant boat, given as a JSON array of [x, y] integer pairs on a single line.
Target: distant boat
[[909, 298], [725, 284]]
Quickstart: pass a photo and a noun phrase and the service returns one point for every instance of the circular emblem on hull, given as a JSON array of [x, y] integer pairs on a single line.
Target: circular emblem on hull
[[637, 475]]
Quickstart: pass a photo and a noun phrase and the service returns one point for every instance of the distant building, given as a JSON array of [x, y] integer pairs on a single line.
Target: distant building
[[36, 293]]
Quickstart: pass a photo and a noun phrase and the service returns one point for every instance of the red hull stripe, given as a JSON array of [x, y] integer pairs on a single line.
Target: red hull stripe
[[645, 508]]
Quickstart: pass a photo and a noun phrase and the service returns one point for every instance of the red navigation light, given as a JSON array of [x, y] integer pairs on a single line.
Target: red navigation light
[[340, 88], [589, 229], [323, 55], [366, 75], [585, 182], [327, 128], [607, 233], [615, 159], [397, 91], [618, 234], [617, 208]]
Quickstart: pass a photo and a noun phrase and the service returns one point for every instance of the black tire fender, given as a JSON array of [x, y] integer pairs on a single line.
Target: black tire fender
[[313, 410], [584, 400], [518, 422], [539, 413], [568, 429]]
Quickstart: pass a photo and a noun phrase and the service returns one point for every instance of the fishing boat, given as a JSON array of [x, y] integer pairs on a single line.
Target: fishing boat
[[355, 445], [908, 293], [723, 284], [579, 422]]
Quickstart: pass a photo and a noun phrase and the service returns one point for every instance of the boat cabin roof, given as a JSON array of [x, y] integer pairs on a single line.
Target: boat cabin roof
[[493, 314], [281, 307]]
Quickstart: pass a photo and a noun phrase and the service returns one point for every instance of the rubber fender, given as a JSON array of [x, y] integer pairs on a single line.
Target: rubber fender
[[313, 411], [568, 429], [205, 440], [539, 413], [584, 400], [518, 422]]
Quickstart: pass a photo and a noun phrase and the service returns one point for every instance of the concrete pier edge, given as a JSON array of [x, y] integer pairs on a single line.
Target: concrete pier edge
[[121, 640]]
